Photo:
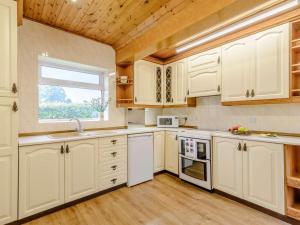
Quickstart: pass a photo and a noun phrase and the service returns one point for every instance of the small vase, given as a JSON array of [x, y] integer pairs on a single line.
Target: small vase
[[101, 115]]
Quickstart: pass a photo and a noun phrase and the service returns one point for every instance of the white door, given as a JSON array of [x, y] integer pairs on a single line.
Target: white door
[[204, 82], [236, 70], [9, 124], [204, 60], [159, 151], [80, 168], [180, 80], [144, 83], [8, 187], [8, 47], [263, 176], [171, 152], [227, 166], [270, 73], [41, 178]]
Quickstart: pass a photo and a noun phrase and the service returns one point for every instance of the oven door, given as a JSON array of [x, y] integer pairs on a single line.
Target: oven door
[[202, 149], [195, 171]]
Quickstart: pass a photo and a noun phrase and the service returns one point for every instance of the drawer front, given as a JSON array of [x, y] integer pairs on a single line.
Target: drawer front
[[113, 180], [113, 154], [112, 168], [114, 141]]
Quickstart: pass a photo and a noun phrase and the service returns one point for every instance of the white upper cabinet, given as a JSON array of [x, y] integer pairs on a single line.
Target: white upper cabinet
[[8, 48], [257, 67], [41, 178], [204, 73], [236, 70], [270, 71], [80, 168], [263, 168], [145, 83], [175, 83]]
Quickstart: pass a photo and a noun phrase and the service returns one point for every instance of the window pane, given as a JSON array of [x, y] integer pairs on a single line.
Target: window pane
[[68, 75], [58, 103]]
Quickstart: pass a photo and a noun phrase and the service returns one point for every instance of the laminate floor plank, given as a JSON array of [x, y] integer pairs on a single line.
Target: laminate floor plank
[[164, 201]]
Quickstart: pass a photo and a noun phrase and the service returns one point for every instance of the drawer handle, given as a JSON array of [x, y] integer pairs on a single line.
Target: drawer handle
[[113, 180], [114, 141], [114, 154], [114, 167]]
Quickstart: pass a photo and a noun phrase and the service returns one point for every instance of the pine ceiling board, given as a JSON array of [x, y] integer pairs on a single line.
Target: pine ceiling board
[[48, 5], [29, 7], [38, 9], [161, 14], [146, 9], [112, 13], [68, 11], [56, 10]]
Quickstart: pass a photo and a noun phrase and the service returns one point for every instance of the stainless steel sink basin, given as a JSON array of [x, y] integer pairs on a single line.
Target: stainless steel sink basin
[[67, 135]]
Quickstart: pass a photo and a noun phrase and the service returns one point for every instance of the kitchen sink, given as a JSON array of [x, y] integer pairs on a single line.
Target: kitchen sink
[[83, 134], [67, 135]]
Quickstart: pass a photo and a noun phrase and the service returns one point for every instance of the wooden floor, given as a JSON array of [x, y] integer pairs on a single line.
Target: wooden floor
[[166, 200]]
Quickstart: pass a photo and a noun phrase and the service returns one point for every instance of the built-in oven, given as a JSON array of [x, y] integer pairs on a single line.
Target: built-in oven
[[195, 161]]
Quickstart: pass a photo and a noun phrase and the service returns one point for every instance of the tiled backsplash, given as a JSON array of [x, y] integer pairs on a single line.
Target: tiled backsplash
[[211, 115]]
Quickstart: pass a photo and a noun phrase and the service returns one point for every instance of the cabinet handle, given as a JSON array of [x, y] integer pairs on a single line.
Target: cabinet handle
[[252, 93], [188, 92], [245, 147], [239, 146], [184, 99], [67, 149], [172, 100], [219, 59], [14, 88], [114, 154], [15, 107], [62, 151], [247, 93], [135, 99], [113, 141], [219, 88], [113, 180], [176, 137], [114, 167]]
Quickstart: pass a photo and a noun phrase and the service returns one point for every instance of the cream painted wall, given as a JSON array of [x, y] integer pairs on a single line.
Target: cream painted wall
[[211, 115], [35, 39]]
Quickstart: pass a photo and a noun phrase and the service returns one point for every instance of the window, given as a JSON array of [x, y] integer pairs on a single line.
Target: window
[[71, 90]]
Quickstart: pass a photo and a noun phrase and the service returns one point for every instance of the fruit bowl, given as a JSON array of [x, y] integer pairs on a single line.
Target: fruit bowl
[[237, 132]]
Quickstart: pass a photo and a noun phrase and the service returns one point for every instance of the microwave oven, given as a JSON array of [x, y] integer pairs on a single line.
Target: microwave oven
[[167, 121]]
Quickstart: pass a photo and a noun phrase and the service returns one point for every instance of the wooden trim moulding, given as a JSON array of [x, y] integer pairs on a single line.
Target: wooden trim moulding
[[20, 11], [67, 131]]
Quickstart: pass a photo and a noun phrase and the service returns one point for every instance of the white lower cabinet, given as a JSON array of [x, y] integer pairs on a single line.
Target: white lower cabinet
[[171, 152], [53, 174], [41, 178], [80, 168], [159, 151], [112, 162], [250, 170]]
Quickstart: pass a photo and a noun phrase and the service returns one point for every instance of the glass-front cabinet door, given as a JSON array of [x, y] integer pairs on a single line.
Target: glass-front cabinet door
[[159, 84], [169, 85]]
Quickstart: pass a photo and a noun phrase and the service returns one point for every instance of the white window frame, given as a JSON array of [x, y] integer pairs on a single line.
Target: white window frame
[[76, 67]]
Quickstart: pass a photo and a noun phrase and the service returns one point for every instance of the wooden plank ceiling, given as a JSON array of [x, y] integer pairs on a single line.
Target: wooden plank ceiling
[[137, 28], [107, 21]]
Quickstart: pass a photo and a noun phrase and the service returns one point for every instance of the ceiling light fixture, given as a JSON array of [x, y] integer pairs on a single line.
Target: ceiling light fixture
[[259, 17]]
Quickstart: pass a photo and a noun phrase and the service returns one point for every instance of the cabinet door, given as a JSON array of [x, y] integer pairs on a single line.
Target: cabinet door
[[204, 82], [236, 70], [270, 73], [171, 152], [8, 187], [41, 178], [227, 166], [80, 168], [9, 124], [180, 81], [159, 151], [263, 176], [8, 47], [204, 60], [144, 83], [159, 77]]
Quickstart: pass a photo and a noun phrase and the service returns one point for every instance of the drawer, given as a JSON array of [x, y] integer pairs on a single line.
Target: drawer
[[112, 168], [109, 142], [112, 180], [113, 154]]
